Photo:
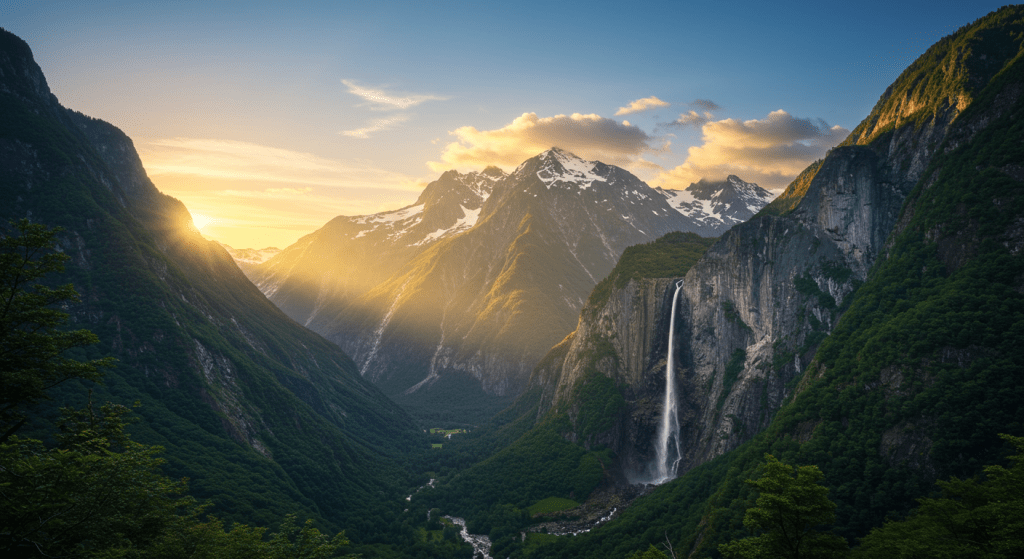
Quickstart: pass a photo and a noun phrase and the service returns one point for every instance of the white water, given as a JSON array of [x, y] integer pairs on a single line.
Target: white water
[[481, 544], [668, 452]]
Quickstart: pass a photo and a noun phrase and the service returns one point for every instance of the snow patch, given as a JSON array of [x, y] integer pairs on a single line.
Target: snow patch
[[465, 223], [575, 170]]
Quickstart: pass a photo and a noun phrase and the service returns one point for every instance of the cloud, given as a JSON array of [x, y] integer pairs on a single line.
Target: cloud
[[705, 105], [270, 192], [695, 119], [642, 166], [692, 118], [384, 101], [263, 196], [588, 136], [639, 105], [244, 161], [376, 126], [770, 152]]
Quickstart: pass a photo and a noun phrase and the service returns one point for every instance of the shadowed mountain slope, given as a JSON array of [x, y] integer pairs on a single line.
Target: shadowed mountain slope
[[264, 416]]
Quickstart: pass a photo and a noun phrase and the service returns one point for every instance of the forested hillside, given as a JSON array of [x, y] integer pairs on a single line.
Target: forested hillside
[[264, 417]]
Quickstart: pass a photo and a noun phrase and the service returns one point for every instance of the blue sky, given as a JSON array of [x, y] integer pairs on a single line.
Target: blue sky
[[268, 119]]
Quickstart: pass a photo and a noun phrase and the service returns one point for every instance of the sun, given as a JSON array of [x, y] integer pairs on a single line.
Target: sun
[[200, 221]]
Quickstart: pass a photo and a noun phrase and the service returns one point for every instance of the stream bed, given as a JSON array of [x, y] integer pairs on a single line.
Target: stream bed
[[481, 544]]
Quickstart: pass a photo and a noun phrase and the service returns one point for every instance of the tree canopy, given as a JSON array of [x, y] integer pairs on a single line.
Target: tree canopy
[[790, 516], [90, 490], [971, 518], [33, 342]]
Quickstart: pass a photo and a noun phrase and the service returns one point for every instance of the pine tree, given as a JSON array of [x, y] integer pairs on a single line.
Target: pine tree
[[790, 516], [33, 343]]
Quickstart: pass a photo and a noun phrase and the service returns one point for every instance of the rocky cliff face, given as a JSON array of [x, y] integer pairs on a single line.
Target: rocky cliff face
[[757, 305]]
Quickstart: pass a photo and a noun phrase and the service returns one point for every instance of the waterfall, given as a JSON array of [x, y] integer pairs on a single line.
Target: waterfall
[[668, 452]]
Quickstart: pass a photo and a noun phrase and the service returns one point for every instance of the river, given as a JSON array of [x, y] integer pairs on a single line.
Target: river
[[481, 544]]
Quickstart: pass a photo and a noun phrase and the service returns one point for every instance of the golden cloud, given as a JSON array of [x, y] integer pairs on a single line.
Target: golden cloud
[[692, 118], [258, 195], [770, 152], [639, 105], [382, 100], [233, 160], [588, 136], [376, 126]]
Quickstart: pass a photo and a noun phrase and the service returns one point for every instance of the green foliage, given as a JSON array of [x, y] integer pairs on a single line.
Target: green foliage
[[732, 372], [729, 308], [790, 198], [651, 553], [331, 447], [552, 504], [670, 256], [538, 465], [599, 401], [210, 539], [97, 493], [971, 519], [806, 285], [33, 346], [952, 71], [788, 519], [95, 490], [671, 511]]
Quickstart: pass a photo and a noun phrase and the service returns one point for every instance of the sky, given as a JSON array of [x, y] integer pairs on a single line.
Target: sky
[[267, 119]]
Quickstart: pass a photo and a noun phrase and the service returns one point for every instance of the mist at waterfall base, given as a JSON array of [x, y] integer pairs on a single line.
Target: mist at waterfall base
[[667, 451]]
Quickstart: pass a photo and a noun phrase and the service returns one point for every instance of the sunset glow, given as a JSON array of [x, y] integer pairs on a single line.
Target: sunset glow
[[279, 121], [200, 221]]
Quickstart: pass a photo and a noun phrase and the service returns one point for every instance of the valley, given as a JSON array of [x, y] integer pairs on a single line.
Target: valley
[[554, 361]]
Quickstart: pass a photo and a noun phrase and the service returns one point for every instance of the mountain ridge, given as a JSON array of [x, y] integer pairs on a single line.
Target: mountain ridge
[[265, 417], [530, 246]]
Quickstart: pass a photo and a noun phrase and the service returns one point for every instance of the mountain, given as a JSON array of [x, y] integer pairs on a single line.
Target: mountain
[[867, 322], [718, 205], [448, 304], [265, 417], [351, 255], [248, 259], [753, 311]]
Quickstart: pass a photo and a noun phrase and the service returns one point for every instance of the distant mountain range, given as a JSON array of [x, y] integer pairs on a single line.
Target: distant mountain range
[[249, 258], [447, 304]]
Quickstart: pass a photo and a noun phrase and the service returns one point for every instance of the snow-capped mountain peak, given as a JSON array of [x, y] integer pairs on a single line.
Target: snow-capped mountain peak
[[447, 206], [251, 255], [556, 165], [719, 204]]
